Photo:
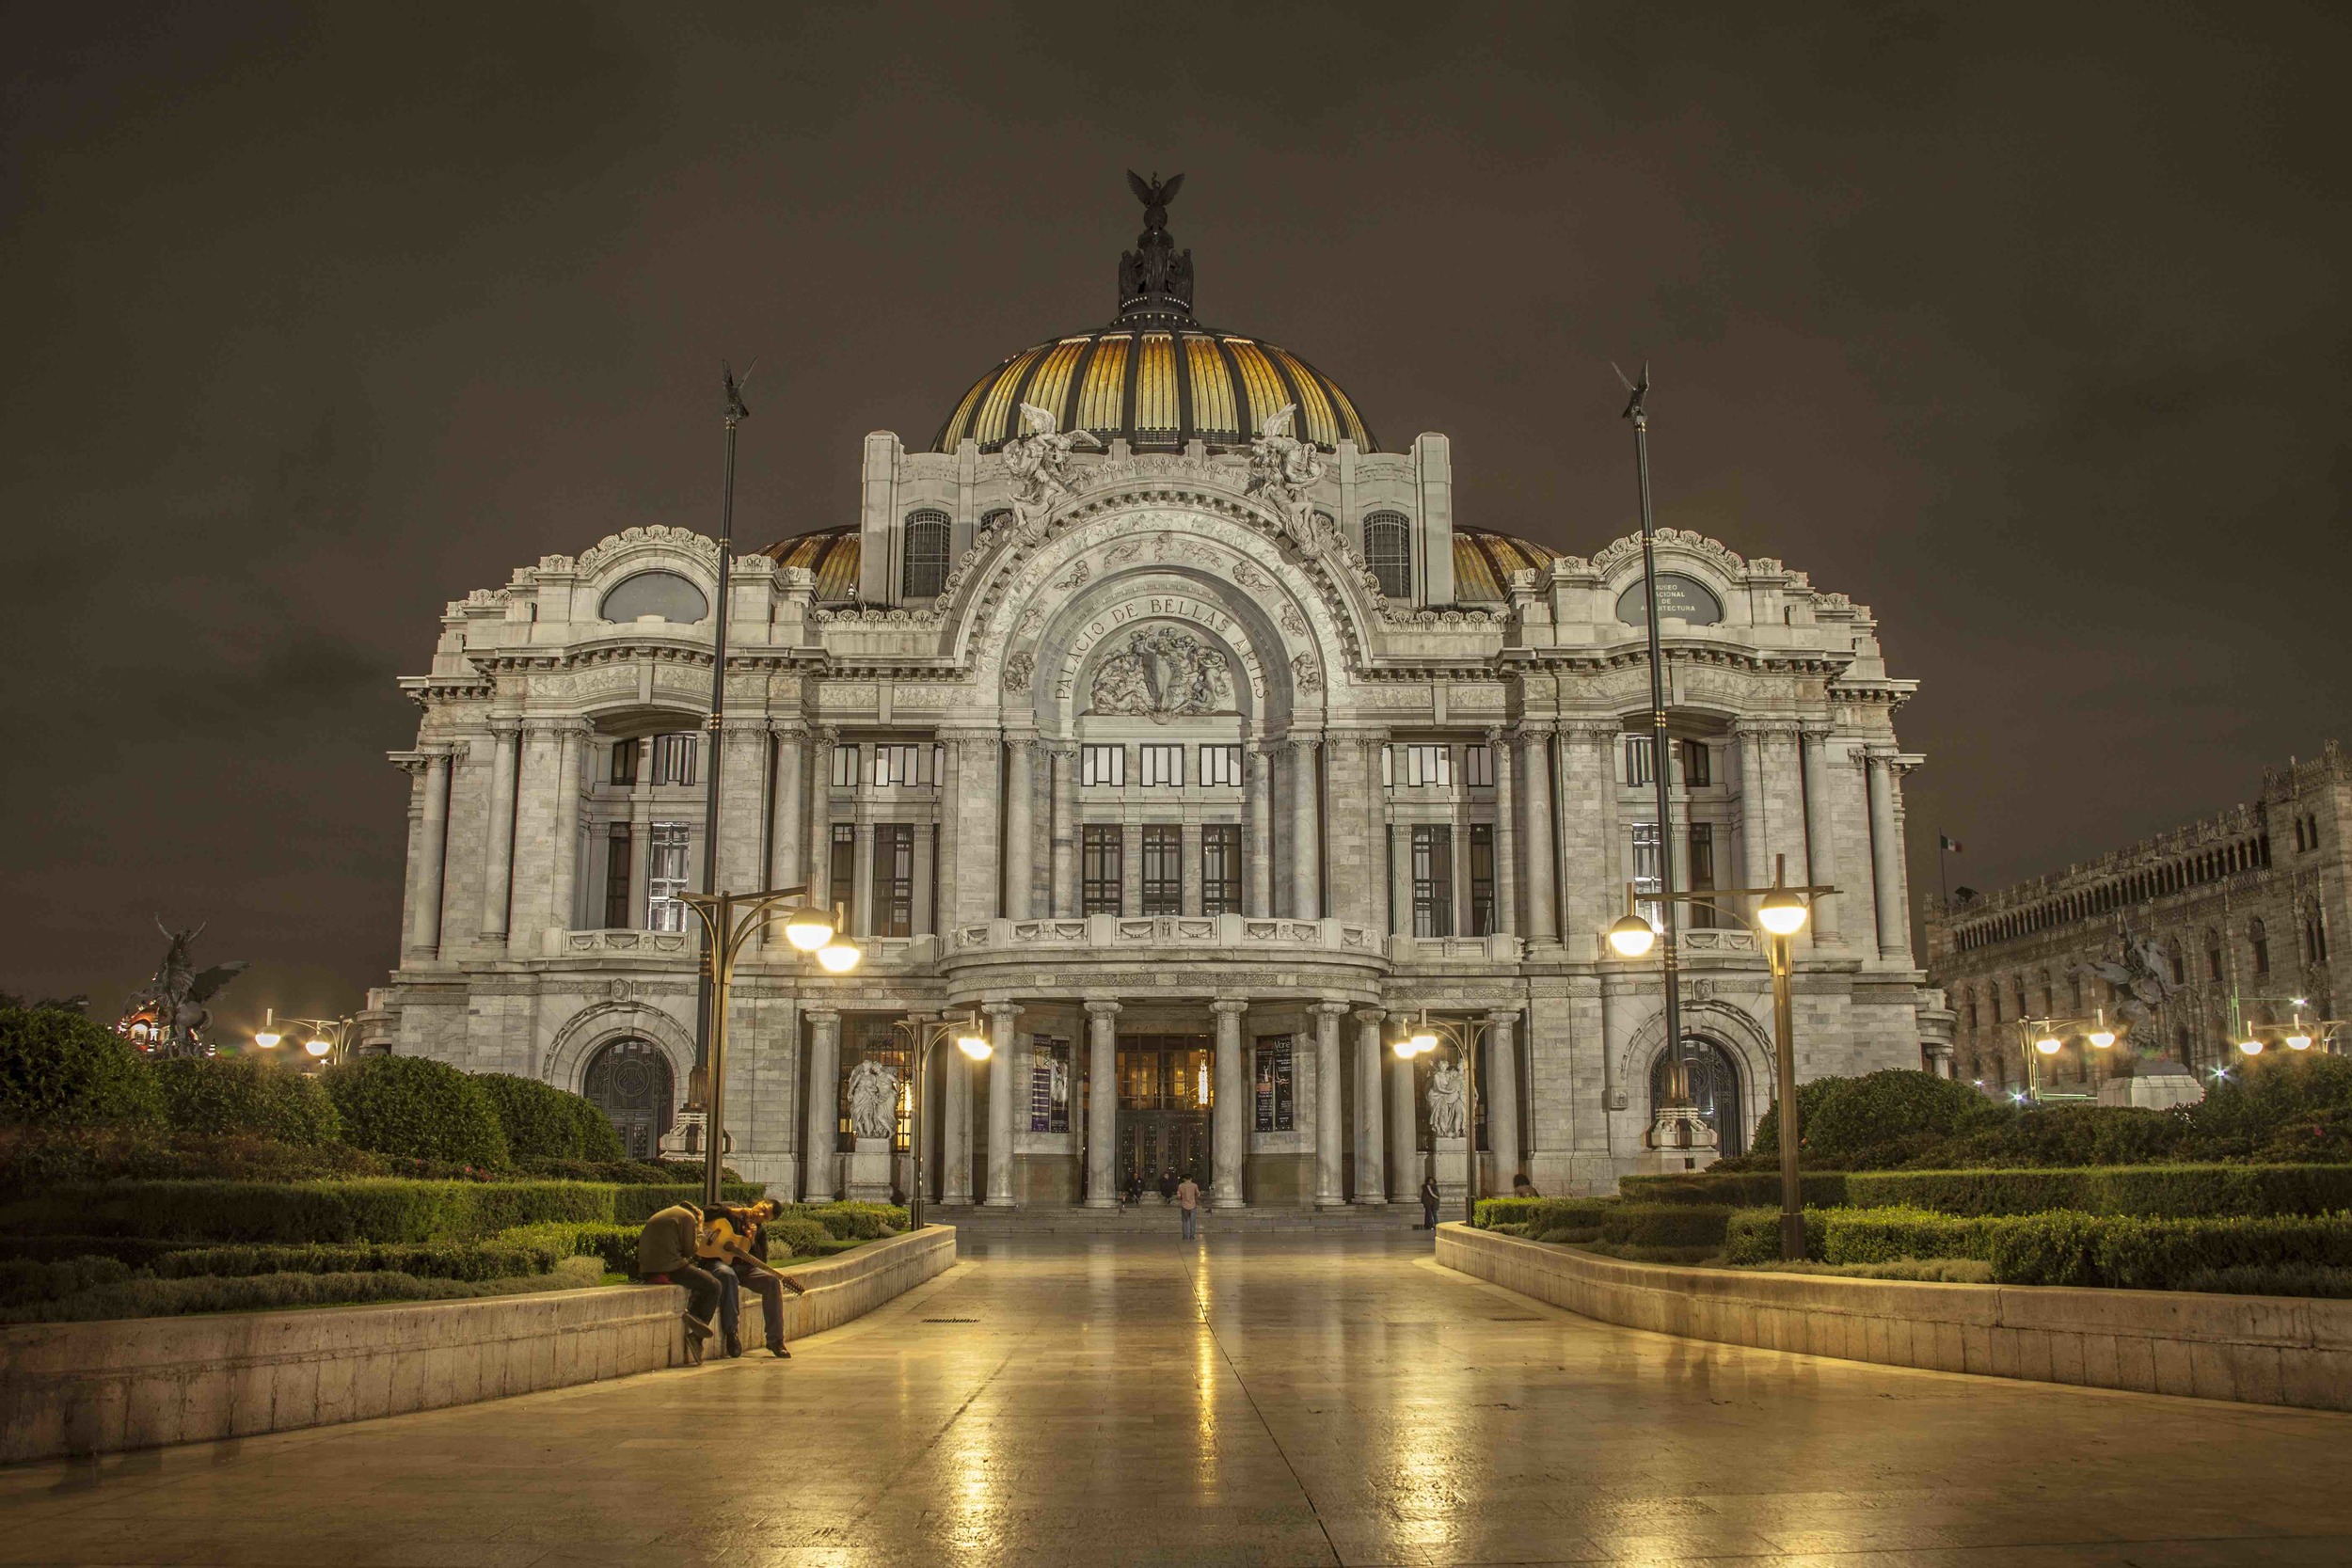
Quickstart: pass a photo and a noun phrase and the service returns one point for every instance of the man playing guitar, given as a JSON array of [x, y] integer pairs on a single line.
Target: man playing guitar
[[735, 1241]]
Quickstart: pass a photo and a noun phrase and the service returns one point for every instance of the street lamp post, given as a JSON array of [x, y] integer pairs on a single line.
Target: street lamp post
[[326, 1039], [1781, 915], [705, 1026], [1465, 1035], [729, 920], [921, 1036]]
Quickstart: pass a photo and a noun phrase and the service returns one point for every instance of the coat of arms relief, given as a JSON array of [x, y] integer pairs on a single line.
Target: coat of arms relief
[[1162, 673]]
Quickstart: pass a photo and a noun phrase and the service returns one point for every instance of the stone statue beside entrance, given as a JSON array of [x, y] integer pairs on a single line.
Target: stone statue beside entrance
[[873, 1101], [1448, 1103]]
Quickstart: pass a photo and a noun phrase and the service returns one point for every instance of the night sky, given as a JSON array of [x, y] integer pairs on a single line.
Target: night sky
[[2023, 327]]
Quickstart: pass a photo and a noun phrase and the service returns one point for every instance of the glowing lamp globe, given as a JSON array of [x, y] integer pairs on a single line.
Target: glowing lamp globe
[[2101, 1038], [2250, 1046], [316, 1047], [837, 958], [1403, 1049], [2047, 1045], [266, 1038], [1631, 937], [1781, 913], [2298, 1043], [1424, 1041], [973, 1046], [807, 929]]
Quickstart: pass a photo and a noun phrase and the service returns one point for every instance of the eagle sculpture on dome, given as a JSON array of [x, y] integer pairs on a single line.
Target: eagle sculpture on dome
[[1155, 194], [1154, 267], [1037, 462]]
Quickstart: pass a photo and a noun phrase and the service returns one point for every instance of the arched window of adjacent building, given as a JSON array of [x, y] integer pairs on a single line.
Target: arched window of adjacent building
[[926, 566], [2314, 933], [2180, 967], [665, 594], [2258, 937], [1388, 551], [2180, 1044], [2213, 954], [1714, 1090], [1972, 1016], [629, 1081]]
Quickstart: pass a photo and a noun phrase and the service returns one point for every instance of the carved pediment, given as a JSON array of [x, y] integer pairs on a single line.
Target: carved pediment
[[1163, 672]]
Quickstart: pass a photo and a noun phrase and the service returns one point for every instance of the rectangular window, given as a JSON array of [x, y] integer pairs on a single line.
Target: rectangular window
[[1275, 1097], [1164, 870], [624, 754], [1220, 868], [1478, 767], [1220, 766], [1698, 764], [844, 767], [1637, 759], [1102, 766], [1433, 881], [900, 765], [844, 872], [674, 759], [894, 879], [1702, 868], [1162, 765], [1418, 767], [665, 876], [1049, 1084], [1482, 871], [1102, 857], [616, 871], [1645, 874]]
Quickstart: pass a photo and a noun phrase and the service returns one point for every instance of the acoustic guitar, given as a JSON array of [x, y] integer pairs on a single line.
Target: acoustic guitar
[[723, 1238]]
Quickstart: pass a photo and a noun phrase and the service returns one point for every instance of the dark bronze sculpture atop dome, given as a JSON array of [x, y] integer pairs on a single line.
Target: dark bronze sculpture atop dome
[[1154, 278]]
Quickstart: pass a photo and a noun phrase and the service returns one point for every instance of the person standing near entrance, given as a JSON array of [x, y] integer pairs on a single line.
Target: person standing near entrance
[[1429, 1203], [1188, 1202]]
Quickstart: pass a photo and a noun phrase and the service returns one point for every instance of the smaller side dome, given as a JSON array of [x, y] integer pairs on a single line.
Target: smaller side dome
[[830, 553]]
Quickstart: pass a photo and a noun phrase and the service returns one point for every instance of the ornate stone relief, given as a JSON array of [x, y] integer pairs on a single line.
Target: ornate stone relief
[[1307, 673], [1163, 672], [1020, 670]]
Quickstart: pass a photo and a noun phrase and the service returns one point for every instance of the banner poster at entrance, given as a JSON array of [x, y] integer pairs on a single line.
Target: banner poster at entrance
[[1274, 1083], [1049, 1084]]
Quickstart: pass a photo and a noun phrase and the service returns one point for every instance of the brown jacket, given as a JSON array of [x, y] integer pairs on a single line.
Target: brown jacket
[[667, 1243]]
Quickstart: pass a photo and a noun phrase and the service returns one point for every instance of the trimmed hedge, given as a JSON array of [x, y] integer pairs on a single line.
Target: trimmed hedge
[[2147, 1189], [60, 1069], [301, 1213], [543, 1122], [245, 1097], [499, 1258], [158, 1298], [845, 1221], [1605, 1219], [418, 1108]]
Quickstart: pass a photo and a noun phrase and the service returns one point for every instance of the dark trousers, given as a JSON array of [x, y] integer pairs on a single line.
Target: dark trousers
[[702, 1289], [770, 1289], [1429, 1214]]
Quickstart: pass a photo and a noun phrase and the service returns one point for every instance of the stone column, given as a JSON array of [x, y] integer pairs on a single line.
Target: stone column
[[1588, 816], [819, 830], [1306, 830], [499, 860], [1102, 1102], [1063, 761], [1331, 1109], [1000, 1092], [1506, 880], [1020, 831], [1820, 834], [1404, 1156], [1192, 898], [424, 932], [1232, 1091], [955, 1131], [1400, 836], [1375, 866], [1543, 922], [741, 794], [1886, 874], [1372, 1174], [862, 879], [640, 859], [820, 1137], [1502, 1083], [787, 839], [564, 894], [948, 816], [1258, 851], [1756, 863]]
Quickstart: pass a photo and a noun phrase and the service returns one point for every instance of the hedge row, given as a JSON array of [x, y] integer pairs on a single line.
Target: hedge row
[[2144, 1190], [2122, 1251], [1604, 1219], [498, 1258], [140, 1297], [297, 1213]]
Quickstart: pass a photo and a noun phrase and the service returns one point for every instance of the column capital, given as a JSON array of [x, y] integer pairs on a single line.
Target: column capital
[[1333, 1009], [1102, 1007], [1371, 1015], [1816, 729], [553, 724], [1595, 731], [506, 725], [787, 729], [824, 734], [1002, 1013], [1233, 1006], [819, 1013], [1500, 1019]]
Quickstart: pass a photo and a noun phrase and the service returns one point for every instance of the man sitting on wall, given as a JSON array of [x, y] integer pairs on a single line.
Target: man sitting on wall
[[751, 1225], [665, 1256]]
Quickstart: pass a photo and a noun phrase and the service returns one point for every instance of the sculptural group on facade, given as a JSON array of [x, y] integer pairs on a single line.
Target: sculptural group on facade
[[1038, 463], [874, 1100], [1449, 1101], [1163, 673], [1283, 470], [177, 994]]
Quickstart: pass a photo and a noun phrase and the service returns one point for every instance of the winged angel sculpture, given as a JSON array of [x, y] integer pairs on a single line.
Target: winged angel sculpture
[[1283, 470], [1037, 462], [2141, 976], [178, 992]]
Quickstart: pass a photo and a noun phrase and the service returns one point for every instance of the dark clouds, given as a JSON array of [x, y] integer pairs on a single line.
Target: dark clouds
[[2020, 324]]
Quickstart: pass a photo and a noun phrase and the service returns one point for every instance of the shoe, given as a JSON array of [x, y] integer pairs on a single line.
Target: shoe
[[780, 1352], [696, 1329], [735, 1347]]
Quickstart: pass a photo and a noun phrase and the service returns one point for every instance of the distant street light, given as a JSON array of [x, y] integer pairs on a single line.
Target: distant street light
[[328, 1039], [922, 1037]]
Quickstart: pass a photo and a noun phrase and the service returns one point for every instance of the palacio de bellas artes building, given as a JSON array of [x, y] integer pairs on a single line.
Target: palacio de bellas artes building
[[1160, 712]]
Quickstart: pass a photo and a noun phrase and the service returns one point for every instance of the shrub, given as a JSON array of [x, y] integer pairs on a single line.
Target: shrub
[[1664, 1225], [412, 1106], [1752, 1235], [499, 1258], [796, 1236], [131, 1251], [154, 1298], [614, 1246], [543, 1122], [862, 1222], [22, 1281], [1850, 1115], [1538, 1217], [245, 1097], [60, 1069], [2269, 1099], [2270, 1279], [1888, 1235], [2176, 1190]]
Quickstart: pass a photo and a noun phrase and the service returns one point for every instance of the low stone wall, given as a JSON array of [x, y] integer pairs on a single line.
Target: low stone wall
[[99, 1387], [2265, 1350]]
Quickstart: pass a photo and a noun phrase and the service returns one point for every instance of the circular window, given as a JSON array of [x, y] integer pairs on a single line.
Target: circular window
[[663, 594], [1679, 598]]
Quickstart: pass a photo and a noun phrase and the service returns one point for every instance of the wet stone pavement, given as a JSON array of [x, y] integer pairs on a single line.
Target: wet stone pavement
[[1268, 1399]]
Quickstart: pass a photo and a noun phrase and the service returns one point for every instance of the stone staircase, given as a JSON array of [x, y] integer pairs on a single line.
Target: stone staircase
[[1152, 1217]]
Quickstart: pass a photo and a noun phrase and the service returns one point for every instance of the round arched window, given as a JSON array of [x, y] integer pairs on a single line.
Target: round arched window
[[1714, 1090], [663, 594], [1679, 598]]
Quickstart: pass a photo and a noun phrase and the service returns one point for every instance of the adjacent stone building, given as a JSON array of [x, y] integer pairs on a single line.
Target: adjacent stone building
[[1196, 755], [2193, 940]]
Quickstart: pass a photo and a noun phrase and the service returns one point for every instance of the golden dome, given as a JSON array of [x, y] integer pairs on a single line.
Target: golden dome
[[1155, 376]]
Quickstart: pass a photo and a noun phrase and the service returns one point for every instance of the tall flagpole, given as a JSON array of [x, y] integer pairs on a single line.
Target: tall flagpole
[[705, 1091]]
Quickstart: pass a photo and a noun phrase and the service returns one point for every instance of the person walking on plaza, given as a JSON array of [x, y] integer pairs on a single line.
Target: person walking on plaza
[[1428, 1203], [1188, 1202], [665, 1256]]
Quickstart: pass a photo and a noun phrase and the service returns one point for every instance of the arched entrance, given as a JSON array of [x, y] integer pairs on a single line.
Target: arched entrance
[[629, 1081], [1714, 1089]]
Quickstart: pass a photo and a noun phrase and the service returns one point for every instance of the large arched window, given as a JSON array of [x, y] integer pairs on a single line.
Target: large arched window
[[1388, 551], [2258, 937], [629, 1081], [926, 568], [1714, 1090]]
